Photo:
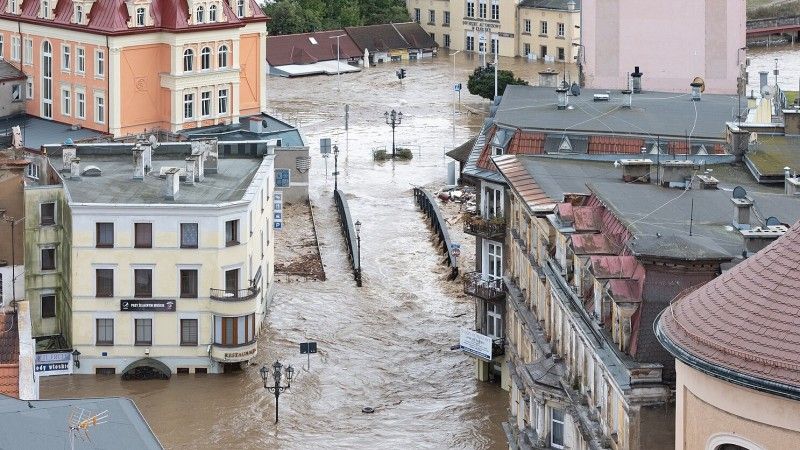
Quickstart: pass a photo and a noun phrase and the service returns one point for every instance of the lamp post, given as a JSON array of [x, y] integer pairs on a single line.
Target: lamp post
[[338, 74], [277, 389], [394, 119], [739, 86], [454, 95], [75, 361], [358, 239], [335, 168]]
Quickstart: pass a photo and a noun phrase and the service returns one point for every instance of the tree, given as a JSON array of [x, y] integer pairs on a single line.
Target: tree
[[300, 16], [481, 82]]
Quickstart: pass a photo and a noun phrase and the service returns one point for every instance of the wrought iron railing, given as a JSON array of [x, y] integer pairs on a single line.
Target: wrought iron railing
[[494, 228], [482, 286], [234, 295]]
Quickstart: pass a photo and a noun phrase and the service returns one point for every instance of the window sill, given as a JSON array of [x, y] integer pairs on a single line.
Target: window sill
[[189, 344], [142, 246], [542, 35], [232, 243], [47, 224], [526, 33], [447, 25], [432, 23], [189, 246], [188, 296], [560, 37], [48, 270], [143, 344], [142, 296], [104, 296], [104, 344], [104, 246]]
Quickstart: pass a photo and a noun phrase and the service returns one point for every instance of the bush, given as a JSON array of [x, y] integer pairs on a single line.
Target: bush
[[403, 154]]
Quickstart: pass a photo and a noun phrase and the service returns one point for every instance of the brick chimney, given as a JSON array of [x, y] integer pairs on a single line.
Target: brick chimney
[[75, 169], [68, 152], [741, 212], [138, 163], [172, 183]]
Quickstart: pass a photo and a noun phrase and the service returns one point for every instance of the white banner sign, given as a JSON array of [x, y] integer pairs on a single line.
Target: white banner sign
[[53, 364], [476, 344]]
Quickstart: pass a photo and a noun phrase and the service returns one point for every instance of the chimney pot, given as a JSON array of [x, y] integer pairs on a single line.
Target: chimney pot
[[75, 169], [561, 93], [172, 184], [138, 164]]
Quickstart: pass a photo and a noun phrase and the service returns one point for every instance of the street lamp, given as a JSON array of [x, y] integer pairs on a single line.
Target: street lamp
[[75, 360], [394, 119], [338, 73], [739, 86], [276, 375], [12, 221], [358, 239], [454, 95], [335, 168]]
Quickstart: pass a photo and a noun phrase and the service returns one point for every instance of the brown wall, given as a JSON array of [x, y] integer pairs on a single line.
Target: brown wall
[[13, 201]]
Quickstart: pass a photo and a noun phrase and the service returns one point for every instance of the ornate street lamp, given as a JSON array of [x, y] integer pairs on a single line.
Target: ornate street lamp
[[358, 239], [75, 361], [394, 119], [277, 389]]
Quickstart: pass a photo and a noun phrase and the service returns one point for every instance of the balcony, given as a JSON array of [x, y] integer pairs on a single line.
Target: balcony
[[479, 285], [231, 295], [234, 353], [493, 228]]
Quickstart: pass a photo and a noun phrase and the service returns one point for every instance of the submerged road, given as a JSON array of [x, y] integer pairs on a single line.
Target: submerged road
[[385, 345]]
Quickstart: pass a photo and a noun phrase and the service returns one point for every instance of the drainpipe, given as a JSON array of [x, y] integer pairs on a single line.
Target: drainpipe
[[108, 87]]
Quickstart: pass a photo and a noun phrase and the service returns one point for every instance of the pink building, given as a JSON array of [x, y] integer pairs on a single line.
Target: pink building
[[671, 42]]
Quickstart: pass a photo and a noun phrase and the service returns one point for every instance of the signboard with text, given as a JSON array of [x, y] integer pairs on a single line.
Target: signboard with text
[[476, 344], [277, 213], [59, 363], [147, 305]]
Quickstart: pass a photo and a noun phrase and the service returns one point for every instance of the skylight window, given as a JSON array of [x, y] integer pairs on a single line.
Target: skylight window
[[313, 41]]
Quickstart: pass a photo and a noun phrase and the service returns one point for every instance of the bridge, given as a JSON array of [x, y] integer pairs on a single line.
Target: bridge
[[777, 25]]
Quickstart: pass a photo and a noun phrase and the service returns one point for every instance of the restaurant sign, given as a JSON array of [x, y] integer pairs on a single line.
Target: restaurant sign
[[147, 305], [242, 354], [476, 344]]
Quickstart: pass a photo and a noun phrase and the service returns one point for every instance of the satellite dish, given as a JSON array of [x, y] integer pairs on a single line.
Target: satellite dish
[[699, 80], [739, 192], [773, 221], [69, 141]]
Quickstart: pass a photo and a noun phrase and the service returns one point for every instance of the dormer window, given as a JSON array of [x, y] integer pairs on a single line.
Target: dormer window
[[200, 15], [188, 60], [212, 13], [140, 17], [45, 9], [240, 8], [12, 6], [79, 15]]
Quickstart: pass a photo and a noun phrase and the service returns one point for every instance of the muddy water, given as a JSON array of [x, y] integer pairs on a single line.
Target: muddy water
[[385, 345]]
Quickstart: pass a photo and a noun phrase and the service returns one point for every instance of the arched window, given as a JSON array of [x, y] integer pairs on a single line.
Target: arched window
[[240, 8], [205, 58], [730, 447], [140, 17], [201, 14], [47, 80], [222, 56], [212, 13], [79, 14], [188, 60]]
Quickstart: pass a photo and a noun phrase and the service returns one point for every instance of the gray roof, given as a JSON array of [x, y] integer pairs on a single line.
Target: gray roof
[[650, 211], [275, 129], [653, 113], [116, 184], [39, 424], [380, 38], [549, 4], [38, 132], [8, 72]]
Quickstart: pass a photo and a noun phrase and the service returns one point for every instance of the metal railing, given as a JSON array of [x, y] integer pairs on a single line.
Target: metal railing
[[494, 229], [479, 285], [349, 233], [428, 206], [231, 295]]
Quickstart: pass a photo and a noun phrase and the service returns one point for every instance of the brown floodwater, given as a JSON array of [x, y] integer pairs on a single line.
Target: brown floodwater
[[385, 345]]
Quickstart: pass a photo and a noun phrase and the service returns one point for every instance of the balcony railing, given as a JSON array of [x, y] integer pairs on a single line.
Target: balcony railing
[[494, 228], [479, 285], [231, 295]]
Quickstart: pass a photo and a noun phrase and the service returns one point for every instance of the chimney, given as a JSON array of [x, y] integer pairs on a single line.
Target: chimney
[[742, 204], [636, 170], [548, 78], [147, 154], [791, 183], [256, 124], [68, 151], [172, 184], [570, 5], [138, 164], [561, 92], [191, 169], [696, 90], [758, 238], [676, 173], [75, 169], [637, 80], [627, 98], [708, 182]]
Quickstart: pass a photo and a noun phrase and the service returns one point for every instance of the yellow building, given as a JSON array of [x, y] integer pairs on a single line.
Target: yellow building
[[537, 29], [167, 261]]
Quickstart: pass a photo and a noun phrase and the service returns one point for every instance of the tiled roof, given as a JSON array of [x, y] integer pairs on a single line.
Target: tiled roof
[[461, 153], [744, 323], [611, 145], [8, 72], [111, 16], [522, 182], [378, 38], [307, 48], [522, 143], [415, 35], [613, 266], [592, 244], [9, 379]]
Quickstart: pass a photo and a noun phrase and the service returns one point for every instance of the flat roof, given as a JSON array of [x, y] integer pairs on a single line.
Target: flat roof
[[317, 68], [37, 132], [38, 424], [275, 129], [650, 212], [116, 184], [652, 114], [770, 154]]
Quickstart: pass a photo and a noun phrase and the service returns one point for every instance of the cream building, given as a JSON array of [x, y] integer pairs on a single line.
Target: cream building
[[167, 262], [529, 28]]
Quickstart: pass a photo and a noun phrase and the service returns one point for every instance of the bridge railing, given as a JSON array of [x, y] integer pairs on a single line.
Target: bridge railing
[[758, 24], [349, 233], [428, 205]]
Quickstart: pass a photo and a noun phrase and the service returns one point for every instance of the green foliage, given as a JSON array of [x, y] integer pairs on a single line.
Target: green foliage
[[481, 82], [767, 9], [402, 154], [301, 16]]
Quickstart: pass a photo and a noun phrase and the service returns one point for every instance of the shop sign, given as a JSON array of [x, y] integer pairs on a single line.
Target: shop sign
[[59, 363], [476, 344], [147, 305], [508, 35], [231, 355]]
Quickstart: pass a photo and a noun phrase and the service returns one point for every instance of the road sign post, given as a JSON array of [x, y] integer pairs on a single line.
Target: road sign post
[[307, 348]]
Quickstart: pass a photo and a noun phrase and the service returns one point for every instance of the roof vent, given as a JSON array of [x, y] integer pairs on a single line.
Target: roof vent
[[627, 100], [636, 75], [75, 169], [696, 92], [561, 93], [162, 172], [172, 184], [91, 171], [257, 124], [636, 170], [758, 238], [742, 204], [791, 184], [601, 97], [676, 173]]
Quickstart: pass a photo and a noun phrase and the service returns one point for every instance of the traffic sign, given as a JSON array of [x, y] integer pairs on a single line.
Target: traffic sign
[[307, 348]]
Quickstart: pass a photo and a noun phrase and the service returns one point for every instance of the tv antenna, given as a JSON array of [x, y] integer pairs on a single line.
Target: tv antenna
[[79, 421]]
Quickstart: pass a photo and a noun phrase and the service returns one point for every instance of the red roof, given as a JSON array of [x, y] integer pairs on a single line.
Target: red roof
[[613, 266], [747, 320], [522, 143], [605, 145], [111, 16], [592, 244], [308, 48]]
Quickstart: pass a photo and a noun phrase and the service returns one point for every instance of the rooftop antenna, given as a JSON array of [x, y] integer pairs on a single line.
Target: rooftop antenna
[[691, 217], [79, 421]]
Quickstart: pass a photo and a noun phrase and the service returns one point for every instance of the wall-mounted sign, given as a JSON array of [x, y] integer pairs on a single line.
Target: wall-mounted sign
[[508, 35], [59, 363], [277, 219], [325, 144], [147, 305], [282, 178], [480, 26], [476, 344], [242, 354]]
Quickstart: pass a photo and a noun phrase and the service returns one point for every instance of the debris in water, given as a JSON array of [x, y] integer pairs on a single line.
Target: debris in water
[[367, 410]]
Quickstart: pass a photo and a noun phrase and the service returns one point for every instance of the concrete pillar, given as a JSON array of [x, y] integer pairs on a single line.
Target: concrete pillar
[[171, 184]]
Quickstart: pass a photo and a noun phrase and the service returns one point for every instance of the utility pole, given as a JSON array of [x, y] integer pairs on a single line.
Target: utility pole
[[338, 73], [454, 96]]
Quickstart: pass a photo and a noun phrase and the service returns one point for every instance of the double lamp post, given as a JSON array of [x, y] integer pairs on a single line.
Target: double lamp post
[[394, 119], [277, 388]]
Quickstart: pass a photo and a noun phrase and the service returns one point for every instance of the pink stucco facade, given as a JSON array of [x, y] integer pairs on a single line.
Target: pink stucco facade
[[672, 43]]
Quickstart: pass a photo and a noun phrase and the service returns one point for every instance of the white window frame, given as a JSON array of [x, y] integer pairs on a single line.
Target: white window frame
[[495, 208], [212, 13], [240, 9], [560, 29], [220, 110], [66, 57], [80, 103], [494, 316], [16, 48], [2, 41], [45, 9], [80, 60], [188, 60], [553, 423], [99, 107], [527, 26], [206, 104], [200, 14], [99, 63], [66, 101], [27, 51], [29, 88], [222, 56], [32, 171], [543, 27], [79, 14], [493, 253], [205, 58], [188, 106], [141, 16]]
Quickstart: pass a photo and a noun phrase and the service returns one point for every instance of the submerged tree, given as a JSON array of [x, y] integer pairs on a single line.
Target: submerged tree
[[481, 82], [300, 16]]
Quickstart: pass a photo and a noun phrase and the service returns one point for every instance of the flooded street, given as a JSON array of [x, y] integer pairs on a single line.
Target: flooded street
[[385, 345]]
